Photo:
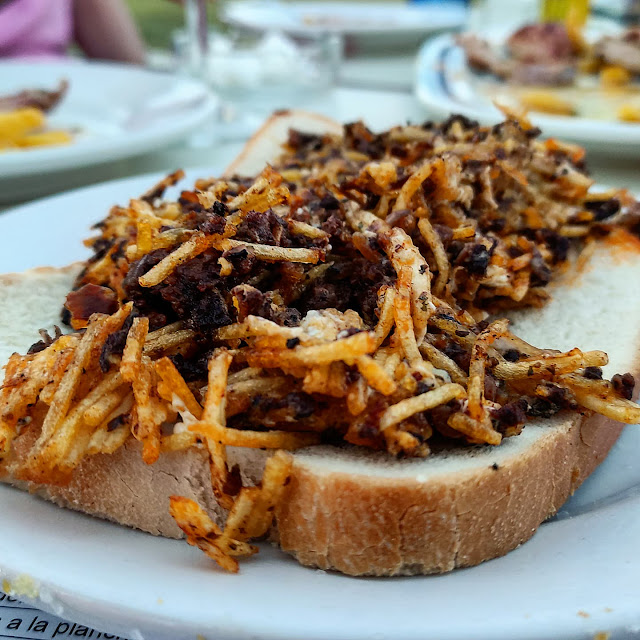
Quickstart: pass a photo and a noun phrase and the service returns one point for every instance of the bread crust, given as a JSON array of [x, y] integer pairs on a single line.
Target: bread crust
[[120, 487], [363, 525], [356, 524], [13, 278], [269, 133]]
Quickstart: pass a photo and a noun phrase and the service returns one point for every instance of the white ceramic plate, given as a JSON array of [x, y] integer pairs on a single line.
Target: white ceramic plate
[[308, 18], [444, 84], [118, 110], [576, 577]]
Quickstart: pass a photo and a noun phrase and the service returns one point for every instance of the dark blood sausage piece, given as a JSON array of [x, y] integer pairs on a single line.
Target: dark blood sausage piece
[[262, 228], [458, 354], [299, 140], [463, 121], [114, 344], [511, 414], [250, 301], [624, 385], [90, 299], [603, 209], [194, 368], [558, 245], [37, 347], [333, 225], [474, 258], [540, 272], [556, 400], [213, 220], [593, 373], [511, 355], [241, 260], [46, 341], [302, 404], [330, 202], [208, 311], [359, 138]]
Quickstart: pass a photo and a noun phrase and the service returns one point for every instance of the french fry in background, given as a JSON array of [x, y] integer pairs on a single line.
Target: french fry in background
[[46, 138], [629, 113], [15, 124], [24, 128]]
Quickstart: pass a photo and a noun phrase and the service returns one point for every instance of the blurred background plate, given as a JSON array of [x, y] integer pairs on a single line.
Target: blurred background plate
[[444, 84], [367, 23], [117, 111], [344, 17]]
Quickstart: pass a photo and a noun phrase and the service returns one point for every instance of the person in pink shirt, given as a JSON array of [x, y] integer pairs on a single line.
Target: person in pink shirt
[[46, 28]]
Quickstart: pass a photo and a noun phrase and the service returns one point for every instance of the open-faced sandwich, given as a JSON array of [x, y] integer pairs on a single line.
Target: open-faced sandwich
[[384, 351]]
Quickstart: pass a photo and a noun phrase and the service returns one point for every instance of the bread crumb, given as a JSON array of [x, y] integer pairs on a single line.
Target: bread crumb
[[602, 635], [583, 614], [200, 637], [608, 610], [160, 601]]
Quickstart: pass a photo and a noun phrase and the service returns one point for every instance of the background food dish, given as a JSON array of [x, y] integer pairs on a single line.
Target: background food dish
[[444, 84], [116, 111], [23, 121], [131, 582]]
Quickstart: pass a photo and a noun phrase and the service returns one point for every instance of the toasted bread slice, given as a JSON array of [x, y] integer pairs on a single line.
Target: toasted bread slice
[[364, 513]]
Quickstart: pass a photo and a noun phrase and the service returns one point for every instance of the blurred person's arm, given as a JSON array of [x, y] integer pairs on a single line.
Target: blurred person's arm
[[105, 29]]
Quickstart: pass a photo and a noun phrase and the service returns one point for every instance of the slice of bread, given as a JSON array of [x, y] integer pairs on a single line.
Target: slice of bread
[[364, 513], [31, 301]]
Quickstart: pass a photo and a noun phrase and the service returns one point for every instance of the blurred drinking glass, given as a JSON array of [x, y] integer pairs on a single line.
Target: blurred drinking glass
[[256, 73], [197, 36]]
